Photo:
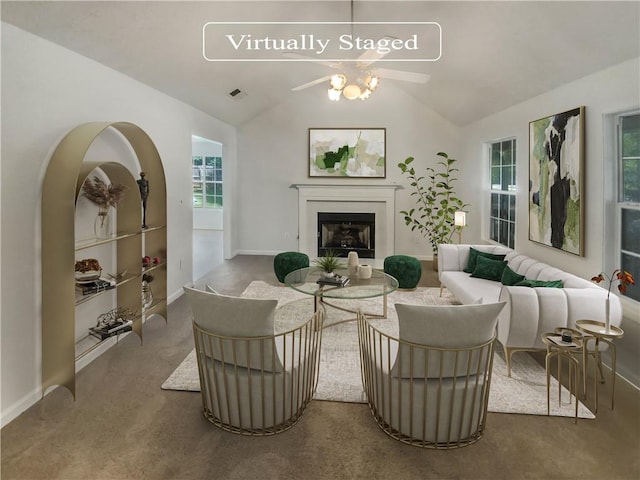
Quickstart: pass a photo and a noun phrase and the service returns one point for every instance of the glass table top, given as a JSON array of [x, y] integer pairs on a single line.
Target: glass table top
[[305, 280]]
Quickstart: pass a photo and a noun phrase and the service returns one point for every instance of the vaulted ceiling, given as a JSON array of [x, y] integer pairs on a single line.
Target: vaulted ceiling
[[494, 54]]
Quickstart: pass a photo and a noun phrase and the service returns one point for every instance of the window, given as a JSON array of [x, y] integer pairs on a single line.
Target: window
[[502, 219], [628, 198], [207, 182]]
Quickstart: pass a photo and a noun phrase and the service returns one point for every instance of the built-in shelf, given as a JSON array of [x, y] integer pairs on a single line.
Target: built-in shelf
[[62, 352], [82, 245]]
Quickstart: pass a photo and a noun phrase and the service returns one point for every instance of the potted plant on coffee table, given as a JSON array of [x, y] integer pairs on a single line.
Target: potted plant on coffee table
[[436, 201], [328, 263]]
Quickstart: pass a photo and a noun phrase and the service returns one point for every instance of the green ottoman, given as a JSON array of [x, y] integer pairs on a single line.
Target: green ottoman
[[407, 270], [286, 262]]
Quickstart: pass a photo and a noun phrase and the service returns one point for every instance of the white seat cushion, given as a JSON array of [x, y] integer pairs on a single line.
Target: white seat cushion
[[468, 289]]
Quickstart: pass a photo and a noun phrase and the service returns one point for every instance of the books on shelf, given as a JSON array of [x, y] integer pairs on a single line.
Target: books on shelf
[[115, 328], [94, 286], [336, 281]]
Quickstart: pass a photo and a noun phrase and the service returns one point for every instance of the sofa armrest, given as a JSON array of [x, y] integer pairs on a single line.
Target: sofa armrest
[[452, 257], [529, 312]]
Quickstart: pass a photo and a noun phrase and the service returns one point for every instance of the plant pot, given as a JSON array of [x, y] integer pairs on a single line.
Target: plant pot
[[435, 262]]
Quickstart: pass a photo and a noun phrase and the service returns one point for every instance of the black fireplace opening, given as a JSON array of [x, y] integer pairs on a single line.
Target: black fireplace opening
[[347, 232]]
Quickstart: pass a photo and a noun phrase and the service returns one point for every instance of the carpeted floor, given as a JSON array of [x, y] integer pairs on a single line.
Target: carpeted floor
[[123, 426]]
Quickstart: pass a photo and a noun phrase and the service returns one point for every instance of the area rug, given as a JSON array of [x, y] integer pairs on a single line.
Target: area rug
[[522, 393]]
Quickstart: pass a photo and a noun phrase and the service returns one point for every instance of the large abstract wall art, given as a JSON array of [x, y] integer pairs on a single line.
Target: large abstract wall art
[[347, 152], [556, 202]]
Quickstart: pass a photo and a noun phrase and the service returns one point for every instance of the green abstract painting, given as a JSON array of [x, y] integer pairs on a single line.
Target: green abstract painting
[[347, 152], [556, 203]]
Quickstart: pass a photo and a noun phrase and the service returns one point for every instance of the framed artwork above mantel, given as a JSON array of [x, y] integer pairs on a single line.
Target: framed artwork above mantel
[[347, 152], [556, 181]]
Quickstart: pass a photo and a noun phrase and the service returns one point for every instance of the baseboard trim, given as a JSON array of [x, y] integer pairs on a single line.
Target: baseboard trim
[[177, 294], [21, 406]]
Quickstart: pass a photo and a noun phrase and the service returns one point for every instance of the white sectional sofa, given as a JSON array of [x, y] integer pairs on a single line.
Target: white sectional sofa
[[529, 312]]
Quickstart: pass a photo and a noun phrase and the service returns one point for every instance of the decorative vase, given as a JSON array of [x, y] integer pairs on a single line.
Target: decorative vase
[[607, 316], [147, 295], [365, 271], [435, 262], [352, 263], [102, 224]]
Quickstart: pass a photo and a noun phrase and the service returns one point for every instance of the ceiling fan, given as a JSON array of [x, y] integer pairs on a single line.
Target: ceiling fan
[[357, 79], [360, 79]]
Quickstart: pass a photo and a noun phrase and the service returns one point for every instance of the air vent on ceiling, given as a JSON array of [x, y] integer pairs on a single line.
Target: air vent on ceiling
[[237, 94]]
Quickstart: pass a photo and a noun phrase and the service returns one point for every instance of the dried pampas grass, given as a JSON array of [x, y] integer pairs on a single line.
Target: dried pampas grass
[[103, 195]]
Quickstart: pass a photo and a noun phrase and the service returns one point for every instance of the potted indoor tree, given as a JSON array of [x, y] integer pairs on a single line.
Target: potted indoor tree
[[436, 201]]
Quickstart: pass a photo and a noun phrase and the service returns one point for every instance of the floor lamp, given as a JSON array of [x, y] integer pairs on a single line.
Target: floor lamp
[[460, 221]]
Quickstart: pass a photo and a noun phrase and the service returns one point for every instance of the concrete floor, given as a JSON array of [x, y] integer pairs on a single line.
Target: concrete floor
[[123, 426]]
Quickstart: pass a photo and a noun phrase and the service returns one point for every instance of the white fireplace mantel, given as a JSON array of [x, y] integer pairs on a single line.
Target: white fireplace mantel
[[377, 198]]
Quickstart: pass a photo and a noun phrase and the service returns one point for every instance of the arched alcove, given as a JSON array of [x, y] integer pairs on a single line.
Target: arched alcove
[[66, 173]]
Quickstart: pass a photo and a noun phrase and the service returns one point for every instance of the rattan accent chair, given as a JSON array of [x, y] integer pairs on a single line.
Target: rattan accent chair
[[253, 381], [430, 386]]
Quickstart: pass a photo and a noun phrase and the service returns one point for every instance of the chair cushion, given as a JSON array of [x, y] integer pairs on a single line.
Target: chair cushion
[[442, 326], [466, 289], [237, 318]]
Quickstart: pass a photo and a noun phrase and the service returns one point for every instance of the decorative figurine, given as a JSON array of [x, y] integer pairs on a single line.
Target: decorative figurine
[[143, 185]]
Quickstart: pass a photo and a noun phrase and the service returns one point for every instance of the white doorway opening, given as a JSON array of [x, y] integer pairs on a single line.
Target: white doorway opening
[[208, 208]]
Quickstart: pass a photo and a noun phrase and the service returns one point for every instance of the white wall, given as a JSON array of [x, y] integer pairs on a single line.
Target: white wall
[[273, 151], [207, 218], [47, 91], [612, 90]]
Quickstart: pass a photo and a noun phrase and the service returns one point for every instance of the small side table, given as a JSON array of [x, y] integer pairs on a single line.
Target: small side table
[[557, 348], [596, 331]]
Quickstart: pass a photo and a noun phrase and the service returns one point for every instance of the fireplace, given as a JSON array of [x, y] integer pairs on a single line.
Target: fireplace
[[378, 199], [346, 232]]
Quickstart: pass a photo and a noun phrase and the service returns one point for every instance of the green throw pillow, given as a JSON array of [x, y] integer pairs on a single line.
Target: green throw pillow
[[489, 269], [473, 258], [540, 283], [509, 277]]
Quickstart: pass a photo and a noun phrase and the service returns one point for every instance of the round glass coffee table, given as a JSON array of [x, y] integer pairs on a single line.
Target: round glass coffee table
[[309, 280]]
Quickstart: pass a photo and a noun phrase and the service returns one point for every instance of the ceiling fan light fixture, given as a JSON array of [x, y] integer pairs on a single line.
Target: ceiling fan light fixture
[[352, 88], [338, 81], [366, 93], [351, 91], [334, 95]]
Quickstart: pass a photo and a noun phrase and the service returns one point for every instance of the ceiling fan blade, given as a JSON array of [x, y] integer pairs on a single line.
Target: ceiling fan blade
[[304, 58], [402, 75], [371, 56], [311, 83]]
